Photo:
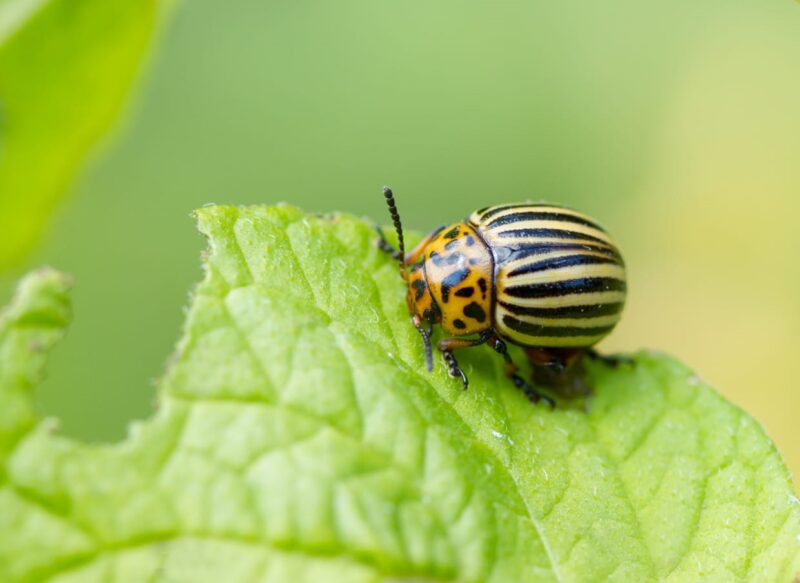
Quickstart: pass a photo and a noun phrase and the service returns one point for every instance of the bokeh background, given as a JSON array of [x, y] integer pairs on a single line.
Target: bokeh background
[[676, 124]]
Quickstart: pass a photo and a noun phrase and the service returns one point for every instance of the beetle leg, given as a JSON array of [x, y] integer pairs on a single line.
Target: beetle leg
[[426, 341], [453, 369], [511, 372], [560, 369], [612, 360], [385, 246], [448, 345]]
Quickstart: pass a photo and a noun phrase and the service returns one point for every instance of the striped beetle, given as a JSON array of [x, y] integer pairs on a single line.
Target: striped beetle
[[543, 277]]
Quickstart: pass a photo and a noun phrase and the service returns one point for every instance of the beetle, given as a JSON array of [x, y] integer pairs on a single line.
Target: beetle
[[543, 277]]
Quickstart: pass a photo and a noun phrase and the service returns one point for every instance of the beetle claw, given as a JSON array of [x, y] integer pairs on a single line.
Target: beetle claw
[[464, 379], [454, 370]]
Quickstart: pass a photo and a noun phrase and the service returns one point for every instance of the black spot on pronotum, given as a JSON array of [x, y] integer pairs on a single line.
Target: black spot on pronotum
[[453, 280], [474, 311], [482, 285], [451, 234], [465, 292], [459, 324], [454, 258], [419, 286], [450, 259]]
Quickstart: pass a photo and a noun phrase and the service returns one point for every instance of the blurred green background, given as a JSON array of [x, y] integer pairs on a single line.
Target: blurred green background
[[677, 125]]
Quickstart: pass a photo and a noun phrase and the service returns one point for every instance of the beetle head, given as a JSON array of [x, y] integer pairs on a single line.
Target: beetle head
[[419, 299]]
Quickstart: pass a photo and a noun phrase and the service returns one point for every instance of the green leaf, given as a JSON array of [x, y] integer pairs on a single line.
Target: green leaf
[[299, 438], [66, 68]]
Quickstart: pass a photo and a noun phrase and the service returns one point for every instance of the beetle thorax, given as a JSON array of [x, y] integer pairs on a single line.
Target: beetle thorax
[[454, 282]]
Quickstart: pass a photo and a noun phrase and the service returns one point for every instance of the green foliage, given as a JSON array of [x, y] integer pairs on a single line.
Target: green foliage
[[299, 438], [65, 70]]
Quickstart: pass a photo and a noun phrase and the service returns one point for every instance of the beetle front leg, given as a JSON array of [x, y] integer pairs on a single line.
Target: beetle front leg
[[453, 369], [448, 345], [511, 372]]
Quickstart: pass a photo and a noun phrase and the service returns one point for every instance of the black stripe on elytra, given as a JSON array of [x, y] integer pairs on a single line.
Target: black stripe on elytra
[[581, 311], [503, 254], [551, 233], [543, 216], [560, 262], [453, 280], [474, 311], [581, 285], [530, 329], [489, 212], [465, 292]]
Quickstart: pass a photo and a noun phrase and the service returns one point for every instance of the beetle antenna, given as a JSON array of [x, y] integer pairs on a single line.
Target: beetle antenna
[[398, 226]]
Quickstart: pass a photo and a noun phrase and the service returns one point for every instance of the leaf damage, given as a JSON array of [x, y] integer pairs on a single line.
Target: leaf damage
[[299, 437]]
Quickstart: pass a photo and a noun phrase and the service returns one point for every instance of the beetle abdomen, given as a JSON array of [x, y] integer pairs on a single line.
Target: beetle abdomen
[[559, 279]]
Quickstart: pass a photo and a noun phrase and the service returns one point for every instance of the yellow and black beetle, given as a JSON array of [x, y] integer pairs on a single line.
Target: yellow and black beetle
[[543, 277]]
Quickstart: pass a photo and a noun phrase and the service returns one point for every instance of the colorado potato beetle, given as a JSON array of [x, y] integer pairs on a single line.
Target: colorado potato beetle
[[543, 277]]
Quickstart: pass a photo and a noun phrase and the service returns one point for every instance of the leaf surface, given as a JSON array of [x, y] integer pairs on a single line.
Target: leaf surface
[[65, 70], [299, 438]]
